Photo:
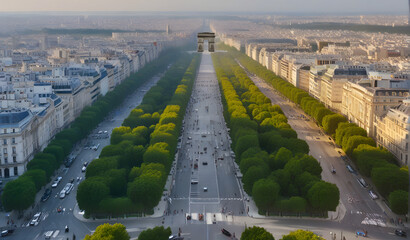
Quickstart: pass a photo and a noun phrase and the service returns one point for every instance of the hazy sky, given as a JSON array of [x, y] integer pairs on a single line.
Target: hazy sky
[[322, 6]]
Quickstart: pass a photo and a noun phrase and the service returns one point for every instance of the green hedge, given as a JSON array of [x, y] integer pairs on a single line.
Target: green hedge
[[276, 169], [132, 171]]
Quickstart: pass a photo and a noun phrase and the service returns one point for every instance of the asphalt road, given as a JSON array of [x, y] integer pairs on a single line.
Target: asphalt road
[[205, 158]]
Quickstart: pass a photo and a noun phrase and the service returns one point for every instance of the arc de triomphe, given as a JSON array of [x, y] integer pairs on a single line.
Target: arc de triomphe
[[210, 37]]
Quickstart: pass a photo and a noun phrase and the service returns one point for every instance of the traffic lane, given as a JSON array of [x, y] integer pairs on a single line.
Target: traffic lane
[[228, 184], [355, 189]]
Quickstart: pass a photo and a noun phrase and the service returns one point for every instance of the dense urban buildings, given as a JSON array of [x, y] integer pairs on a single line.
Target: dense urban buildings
[[47, 79]]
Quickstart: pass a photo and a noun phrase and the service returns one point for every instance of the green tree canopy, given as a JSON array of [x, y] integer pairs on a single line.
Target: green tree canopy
[[18, 194], [156, 233], [265, 192], [301, 235], [324, 196], [109, 232], [90, 193], [399, 202], [256, 233], [330, 122]]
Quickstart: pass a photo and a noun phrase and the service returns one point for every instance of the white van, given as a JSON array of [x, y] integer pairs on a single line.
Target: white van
[[194, 181]]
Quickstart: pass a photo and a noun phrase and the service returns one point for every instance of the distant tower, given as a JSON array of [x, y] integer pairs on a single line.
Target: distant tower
[[168, 29]]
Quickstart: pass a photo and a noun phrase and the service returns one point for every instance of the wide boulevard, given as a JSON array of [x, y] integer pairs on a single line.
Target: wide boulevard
[[205, 194]]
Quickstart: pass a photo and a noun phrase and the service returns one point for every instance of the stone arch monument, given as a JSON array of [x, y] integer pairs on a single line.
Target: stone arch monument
[[210, 37]]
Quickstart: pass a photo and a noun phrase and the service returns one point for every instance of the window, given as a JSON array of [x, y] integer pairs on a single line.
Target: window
[[14, 150], [6, 160], [14, 130], [14, 159], [4, 130], [16, 173], [5, 150], [13, 140], [4, 141]]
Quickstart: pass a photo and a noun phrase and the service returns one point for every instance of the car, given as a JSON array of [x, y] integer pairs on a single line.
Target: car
[[100, 132], [6, 232], [175, 237], [83, 169], [362, 233], [400, 233], [189, 138], [62, 194], [105, 132], [59, 209], [48, 234], [226, 232], [194, 181], [56, 182], [71, 180], [373, 195], [204, 163], [350, 169], [67, 188], [36, 219], [362, 182], [205, 189], [46, 195]]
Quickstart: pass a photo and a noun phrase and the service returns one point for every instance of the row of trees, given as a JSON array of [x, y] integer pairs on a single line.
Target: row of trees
[[259, 233], [276, 169], [20, 193], [373, 162], [130, 174]]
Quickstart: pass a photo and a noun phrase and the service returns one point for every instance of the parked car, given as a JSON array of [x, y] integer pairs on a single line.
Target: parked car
[[350, 169], [400, 233], [205, 189], [56, 182], [36, 219], [226, 232], [6, 232], [204, 163], [362, 182], [46, 195], [373, 195], [83, 169]]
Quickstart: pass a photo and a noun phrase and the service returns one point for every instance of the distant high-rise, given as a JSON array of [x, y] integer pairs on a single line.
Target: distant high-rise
[[168, 29]]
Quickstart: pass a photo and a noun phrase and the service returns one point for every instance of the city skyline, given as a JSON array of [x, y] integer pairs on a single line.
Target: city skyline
[[277, 6]]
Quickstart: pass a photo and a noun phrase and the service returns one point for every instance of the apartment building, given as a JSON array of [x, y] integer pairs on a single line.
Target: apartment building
[[361, 104], [392, 131]]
